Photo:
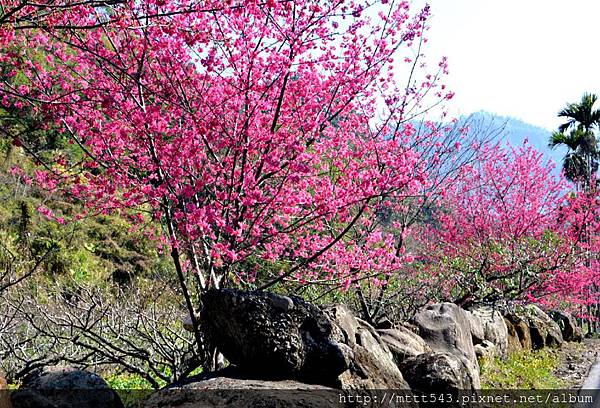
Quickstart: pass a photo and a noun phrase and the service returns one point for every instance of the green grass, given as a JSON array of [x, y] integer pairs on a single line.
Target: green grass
[[133, 389], [528, 370]]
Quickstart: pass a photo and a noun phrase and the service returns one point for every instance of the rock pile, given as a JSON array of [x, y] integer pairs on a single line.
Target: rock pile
[[268, 336], [495, 332], [284, 351], [568, 326], [281, 342], [536, 329]]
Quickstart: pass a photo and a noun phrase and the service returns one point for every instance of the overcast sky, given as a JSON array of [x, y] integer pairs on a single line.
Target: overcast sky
[[521, 58]]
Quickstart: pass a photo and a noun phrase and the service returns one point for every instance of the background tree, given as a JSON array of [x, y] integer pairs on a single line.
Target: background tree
[[581, 161], [578, 135], [445, 148], [497, 234]]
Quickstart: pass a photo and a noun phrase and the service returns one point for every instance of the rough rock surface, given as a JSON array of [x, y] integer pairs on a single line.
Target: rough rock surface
[[521, 326], [65, 387], [445, 327], [372, 364], [494, 328], [31, 399], [438, 372], [224, 391], [568, 326], [477, 332], [273, 336], [486, 349], [269, 336], [514, 344], [403, 343], [544, 331]]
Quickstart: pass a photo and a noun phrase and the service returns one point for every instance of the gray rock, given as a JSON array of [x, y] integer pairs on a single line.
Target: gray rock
[[283, 303], [446, 328], [403, 343], [477, 332], [494, 328], [268, 338], [545, 332], [438, 373], [486, 349], [65, 387], [568, 326], [372, 363], [235, 392]]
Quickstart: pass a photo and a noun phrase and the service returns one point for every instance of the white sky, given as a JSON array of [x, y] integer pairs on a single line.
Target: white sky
[[521, 58]]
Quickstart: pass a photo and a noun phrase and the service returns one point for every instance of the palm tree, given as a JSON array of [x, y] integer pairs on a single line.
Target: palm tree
[[581, 160], [576, 165], [581, 114]]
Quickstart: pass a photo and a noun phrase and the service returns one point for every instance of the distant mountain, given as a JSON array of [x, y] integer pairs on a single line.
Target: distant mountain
[[515, 132]]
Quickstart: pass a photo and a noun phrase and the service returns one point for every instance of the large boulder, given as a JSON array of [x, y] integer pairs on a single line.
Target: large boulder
[[476, 325], [494, 328], [438, 373], [372, 364], [403, 343], [270, 336], [65, 387], [521, 325], [31, 399], [568, 325], [446, 328], [514, 343], [544, 331], [226, 391]]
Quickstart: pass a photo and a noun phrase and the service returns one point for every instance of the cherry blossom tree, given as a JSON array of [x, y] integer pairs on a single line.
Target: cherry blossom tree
[[499, 230], [257, 133], [274, 141], [577, 288]]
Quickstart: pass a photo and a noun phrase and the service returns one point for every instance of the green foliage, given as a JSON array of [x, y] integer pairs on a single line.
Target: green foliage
[[132, 388], [102, 252], [95, 250], [582, 119], [126, 381], [98, 250], [529, 369]]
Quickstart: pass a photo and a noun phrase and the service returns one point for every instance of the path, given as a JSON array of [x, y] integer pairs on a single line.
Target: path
[[591, 387]]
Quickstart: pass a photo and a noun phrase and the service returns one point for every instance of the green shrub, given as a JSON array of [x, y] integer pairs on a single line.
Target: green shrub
[[132, 389], [529, 369]]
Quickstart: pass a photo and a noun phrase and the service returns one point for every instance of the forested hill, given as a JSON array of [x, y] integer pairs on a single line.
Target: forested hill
[[517, 131]]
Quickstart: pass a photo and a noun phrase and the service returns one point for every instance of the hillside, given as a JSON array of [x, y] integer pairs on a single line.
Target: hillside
[[516, 131]]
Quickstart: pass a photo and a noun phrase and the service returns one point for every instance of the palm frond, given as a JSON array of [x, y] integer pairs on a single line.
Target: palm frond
[[572, 140], [575, 167], [581, 114]]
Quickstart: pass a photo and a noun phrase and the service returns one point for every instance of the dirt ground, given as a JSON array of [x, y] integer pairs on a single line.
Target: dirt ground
[[576, 361]]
